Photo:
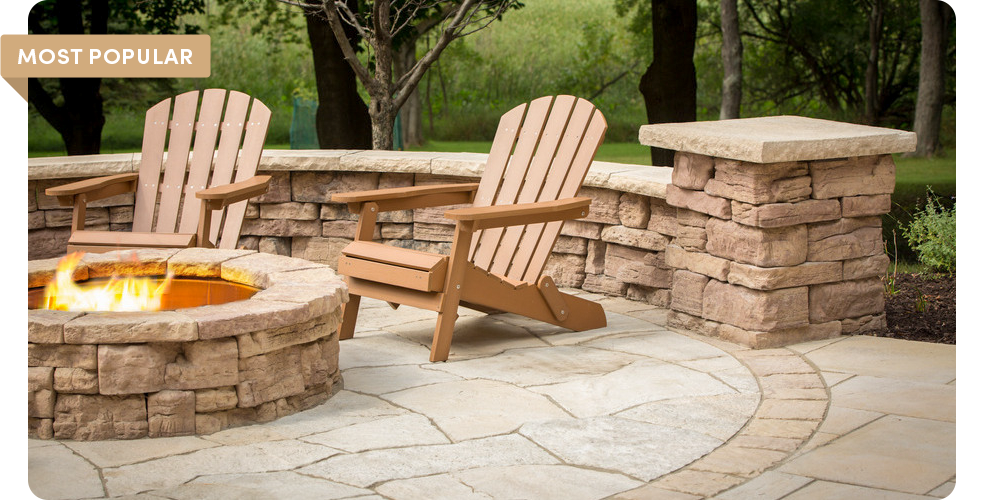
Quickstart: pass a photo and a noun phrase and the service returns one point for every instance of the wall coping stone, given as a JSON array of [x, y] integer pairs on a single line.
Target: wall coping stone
[[638, 179], [774, 139]]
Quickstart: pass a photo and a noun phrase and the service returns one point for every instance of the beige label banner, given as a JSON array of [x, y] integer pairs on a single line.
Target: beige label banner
[[118, 56]]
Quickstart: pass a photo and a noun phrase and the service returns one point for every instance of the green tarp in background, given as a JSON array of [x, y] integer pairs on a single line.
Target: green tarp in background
[[304, 132]]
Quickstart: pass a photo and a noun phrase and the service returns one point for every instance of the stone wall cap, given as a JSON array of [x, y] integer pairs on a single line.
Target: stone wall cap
[[638, 179], [777, 138], [63, 167]]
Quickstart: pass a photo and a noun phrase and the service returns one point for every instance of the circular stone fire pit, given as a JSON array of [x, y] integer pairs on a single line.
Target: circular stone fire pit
[[193, 370]]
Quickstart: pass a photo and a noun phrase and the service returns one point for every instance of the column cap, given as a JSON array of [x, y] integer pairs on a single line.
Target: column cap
[[775, 139]]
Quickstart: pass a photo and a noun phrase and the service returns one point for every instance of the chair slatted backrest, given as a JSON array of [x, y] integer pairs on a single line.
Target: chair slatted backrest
[[227, 148], [541, 152]]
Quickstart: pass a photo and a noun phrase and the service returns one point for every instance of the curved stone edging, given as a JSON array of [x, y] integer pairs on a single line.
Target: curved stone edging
[[795, 401], [189, 371]]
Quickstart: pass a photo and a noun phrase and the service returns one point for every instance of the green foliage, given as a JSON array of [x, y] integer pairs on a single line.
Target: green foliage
[[921, 301], [578, 47], [912, 175], [933, 234], [124, 17], [589, 48]]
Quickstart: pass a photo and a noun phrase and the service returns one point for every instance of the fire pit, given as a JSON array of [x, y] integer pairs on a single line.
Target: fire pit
[[246, 337]]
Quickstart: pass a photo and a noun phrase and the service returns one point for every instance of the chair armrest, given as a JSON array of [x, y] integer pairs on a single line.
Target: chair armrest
[[94, 189], [522, 213], [405, 198], [221, 196]]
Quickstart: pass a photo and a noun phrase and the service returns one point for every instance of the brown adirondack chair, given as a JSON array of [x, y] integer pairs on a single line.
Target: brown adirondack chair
[[539, 158], [211, 216]]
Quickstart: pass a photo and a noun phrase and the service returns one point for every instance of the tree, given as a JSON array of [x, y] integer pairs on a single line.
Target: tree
[[731, 52], [669, 85], [935, 17], [79, 117], [342, 119], [380, 25], [821, 57], [876, 20]]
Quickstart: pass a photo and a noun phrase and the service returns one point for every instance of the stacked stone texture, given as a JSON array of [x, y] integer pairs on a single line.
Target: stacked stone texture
[[619, 249], [95, 376], [777, 253]]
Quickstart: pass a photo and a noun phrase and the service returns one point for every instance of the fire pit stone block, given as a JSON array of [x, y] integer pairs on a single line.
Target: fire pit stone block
[[95, 376]]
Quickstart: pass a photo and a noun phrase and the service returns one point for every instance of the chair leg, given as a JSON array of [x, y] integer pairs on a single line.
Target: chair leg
[[441, 345], [350, 312], [448, 311]]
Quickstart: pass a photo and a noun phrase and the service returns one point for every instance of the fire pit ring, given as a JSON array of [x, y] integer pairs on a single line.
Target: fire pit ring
[[191, 371]]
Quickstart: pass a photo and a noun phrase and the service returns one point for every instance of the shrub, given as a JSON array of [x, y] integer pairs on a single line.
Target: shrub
[[933, 234]]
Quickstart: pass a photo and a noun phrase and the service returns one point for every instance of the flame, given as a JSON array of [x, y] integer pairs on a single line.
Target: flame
[[118, 294]]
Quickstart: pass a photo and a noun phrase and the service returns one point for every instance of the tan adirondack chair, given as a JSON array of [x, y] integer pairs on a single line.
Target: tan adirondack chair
[[539, 157], [225, 162]]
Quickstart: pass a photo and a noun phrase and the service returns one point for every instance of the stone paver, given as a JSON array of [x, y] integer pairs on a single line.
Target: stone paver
[[528, 410], [473, 409], [537, 366], [118, 453], [383, 379], [899, 397], [840, 491], [372, 467], [402, 430], [636, 384], [879, 357], [875, 456], [719, 416], [55, 472], [283, 484], [768, 485], [639, 449]]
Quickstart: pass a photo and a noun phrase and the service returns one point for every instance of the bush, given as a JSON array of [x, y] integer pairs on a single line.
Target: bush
[[933, 234]]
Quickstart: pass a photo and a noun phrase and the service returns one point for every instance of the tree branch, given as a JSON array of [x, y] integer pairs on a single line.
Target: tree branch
[[609, 83], [43, 102], [295, 4], [331, 13], [410, 79]]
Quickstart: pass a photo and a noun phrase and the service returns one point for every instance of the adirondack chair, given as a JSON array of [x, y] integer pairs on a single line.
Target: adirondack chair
[[539, 158], [210, 216]]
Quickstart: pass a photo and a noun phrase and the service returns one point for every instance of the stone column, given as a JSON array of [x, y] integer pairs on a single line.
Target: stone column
[[783, 217]]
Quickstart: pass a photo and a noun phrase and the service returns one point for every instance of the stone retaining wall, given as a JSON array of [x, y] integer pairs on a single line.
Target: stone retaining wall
[[619, 249], [766, 231]]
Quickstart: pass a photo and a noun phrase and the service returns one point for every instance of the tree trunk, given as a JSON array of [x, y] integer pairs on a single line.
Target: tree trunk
[[84, 111], [382, 114], [79, 120], [669, 86], [410, 113], [929, 103], [875, 23], [342, 118], [731, 53]]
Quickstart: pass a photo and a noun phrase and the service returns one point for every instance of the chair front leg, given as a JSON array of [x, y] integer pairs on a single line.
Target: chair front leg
[[363, 231], [448, 312], [78, 213]]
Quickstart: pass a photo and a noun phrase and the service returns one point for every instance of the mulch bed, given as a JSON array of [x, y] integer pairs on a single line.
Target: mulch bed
[[923, 308]]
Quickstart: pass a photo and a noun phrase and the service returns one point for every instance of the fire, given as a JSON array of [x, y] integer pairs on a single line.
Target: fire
[[118, 294]]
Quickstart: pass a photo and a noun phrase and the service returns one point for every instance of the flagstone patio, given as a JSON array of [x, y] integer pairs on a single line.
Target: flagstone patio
[[524, 409]]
